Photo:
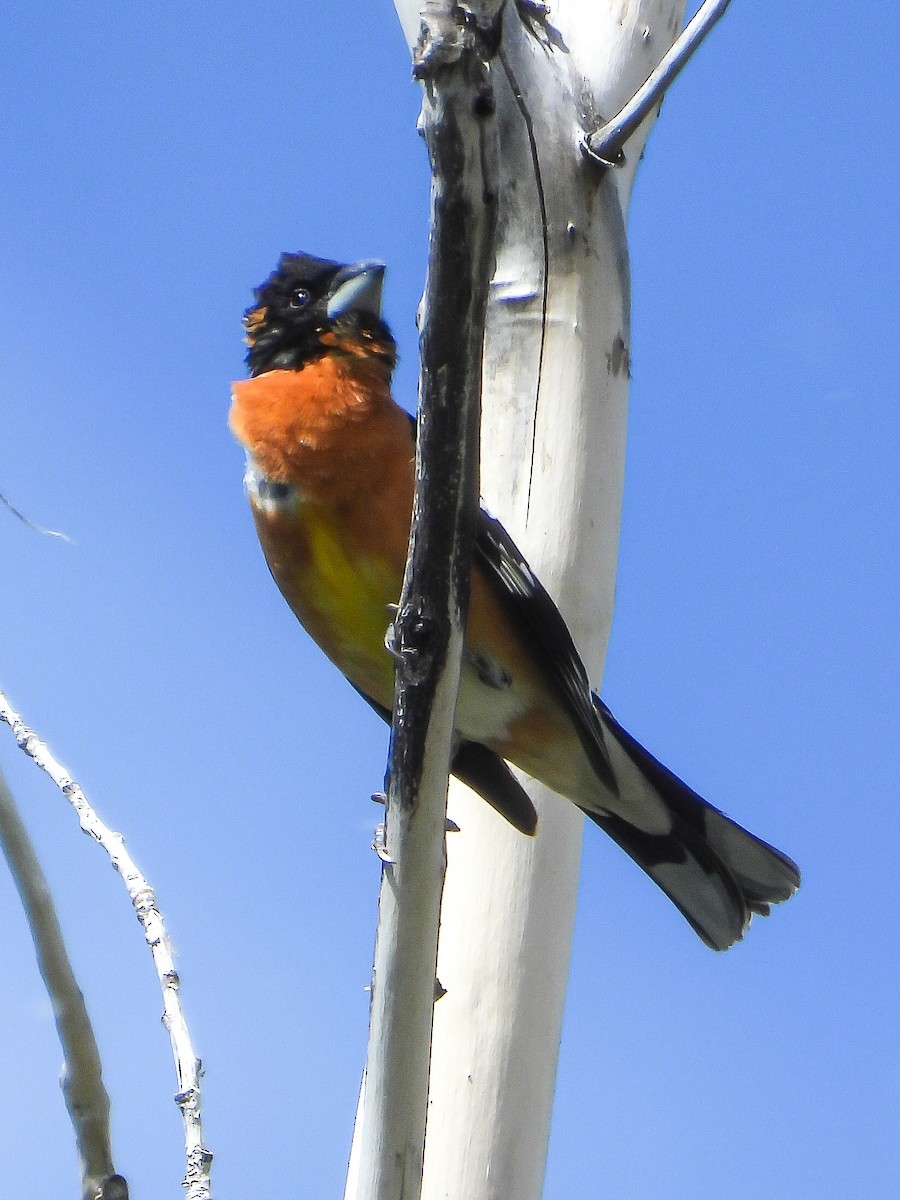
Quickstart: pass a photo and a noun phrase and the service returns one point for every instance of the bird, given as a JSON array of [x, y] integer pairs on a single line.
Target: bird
[[329, 475]]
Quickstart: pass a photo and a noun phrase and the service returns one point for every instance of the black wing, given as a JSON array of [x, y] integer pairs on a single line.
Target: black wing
[[542, 625]]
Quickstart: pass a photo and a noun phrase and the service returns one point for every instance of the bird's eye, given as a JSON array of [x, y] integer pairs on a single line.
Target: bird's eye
[[299, 297]]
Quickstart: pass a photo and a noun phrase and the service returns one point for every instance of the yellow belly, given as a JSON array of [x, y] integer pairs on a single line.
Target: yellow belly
[[344, 599]]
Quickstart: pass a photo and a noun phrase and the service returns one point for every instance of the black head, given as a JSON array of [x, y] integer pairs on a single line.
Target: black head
[[305, 300]]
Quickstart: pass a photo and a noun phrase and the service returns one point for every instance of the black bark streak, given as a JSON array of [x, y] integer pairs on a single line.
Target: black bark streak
[[545, 245], [436, 588]]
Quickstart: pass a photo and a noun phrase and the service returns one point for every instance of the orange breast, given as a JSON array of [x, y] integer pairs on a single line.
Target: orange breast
[[333, 432]]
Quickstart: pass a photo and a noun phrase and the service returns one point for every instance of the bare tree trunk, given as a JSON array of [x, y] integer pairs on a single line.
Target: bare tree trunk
[[556, 372]]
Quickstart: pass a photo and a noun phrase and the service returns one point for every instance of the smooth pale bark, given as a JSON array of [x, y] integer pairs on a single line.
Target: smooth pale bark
[[553, 440]]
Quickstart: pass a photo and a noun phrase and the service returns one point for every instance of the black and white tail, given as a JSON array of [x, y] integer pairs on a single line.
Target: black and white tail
[[714, 871]]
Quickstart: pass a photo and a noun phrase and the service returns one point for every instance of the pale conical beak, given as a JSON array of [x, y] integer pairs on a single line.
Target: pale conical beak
[[357, 288]]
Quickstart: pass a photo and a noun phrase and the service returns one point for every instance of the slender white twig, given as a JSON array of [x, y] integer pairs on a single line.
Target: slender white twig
[[187, 1065], [82, 1080], [33, 524], [606, 143]]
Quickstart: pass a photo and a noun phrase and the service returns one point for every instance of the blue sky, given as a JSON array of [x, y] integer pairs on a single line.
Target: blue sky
[[156, 162]]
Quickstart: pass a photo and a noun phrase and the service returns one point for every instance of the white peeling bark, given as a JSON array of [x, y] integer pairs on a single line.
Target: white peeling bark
[[553, 441]]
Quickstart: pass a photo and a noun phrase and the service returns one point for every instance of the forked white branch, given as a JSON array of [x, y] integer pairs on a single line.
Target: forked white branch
[[187, 1065]]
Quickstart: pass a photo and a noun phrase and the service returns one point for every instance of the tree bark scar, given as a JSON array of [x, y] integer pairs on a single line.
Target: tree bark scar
[[618, 359]]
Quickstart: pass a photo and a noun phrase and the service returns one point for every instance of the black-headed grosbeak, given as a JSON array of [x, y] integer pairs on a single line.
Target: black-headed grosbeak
[[330, 478]]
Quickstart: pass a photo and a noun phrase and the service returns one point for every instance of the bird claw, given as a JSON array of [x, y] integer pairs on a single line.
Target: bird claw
[[381, 798], [379, 845], [391, 643]]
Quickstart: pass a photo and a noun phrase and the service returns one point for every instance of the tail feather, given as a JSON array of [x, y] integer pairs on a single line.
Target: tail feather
[[690, 873], [715, 872]]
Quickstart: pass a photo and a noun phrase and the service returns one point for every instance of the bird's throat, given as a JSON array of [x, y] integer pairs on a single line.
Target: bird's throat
[[327, 430]]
